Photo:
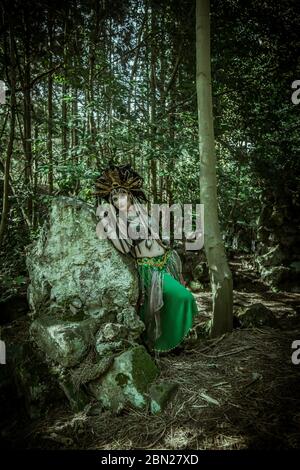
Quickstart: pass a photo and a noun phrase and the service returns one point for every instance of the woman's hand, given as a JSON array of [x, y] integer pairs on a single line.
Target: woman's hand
[[105, 226], [103, 229]]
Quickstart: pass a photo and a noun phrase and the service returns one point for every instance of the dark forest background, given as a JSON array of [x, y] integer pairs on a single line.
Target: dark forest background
[[115, 80], [93, 82]]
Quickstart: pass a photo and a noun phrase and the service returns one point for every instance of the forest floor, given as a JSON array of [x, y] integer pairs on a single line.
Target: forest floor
[[239, 391]]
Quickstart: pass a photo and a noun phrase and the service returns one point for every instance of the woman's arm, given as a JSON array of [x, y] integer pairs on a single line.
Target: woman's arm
[[104, 230], [123, 245]]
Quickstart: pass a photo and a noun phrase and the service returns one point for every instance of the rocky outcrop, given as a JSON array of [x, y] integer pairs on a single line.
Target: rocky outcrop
[[128, 381], [277, 241], [256, 315], [73, 272], [83, 296]]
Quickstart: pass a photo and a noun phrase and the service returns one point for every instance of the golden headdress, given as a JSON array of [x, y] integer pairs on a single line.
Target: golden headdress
[[122, 176]]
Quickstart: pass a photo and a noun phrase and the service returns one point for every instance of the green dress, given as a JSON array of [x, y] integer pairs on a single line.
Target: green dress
[[168, 308]]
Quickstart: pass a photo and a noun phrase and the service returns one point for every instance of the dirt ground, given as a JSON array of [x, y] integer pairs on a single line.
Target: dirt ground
[[239, 391]]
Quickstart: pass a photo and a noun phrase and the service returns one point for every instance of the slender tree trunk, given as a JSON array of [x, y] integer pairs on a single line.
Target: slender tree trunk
[[50, 109], [35, 178], [220, 274], [170, 163], [75, 119], [27, 118], [146, 166], [5, 205], [92, 59], [153, 166], [132, 85], [64, 106], [162, 100]]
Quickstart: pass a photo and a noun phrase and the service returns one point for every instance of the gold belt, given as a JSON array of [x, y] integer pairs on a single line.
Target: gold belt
[[157, 261]]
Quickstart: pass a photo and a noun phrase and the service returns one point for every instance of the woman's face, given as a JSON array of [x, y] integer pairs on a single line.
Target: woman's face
[[121, 200]]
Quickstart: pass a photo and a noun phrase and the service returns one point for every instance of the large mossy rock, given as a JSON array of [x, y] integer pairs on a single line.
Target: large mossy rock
[[79, 284], [63, 341], [72, 270], [127, 381], [83, 296]]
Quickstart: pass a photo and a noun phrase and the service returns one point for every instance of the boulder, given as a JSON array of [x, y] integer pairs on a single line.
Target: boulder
[[112, 347], [160, 394], [65, 342], [83, 295], [128, 317], [72, 271], [255, 316], [127, 381]]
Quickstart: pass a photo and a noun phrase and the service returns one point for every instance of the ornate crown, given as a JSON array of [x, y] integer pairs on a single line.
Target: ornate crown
[[122, 176]]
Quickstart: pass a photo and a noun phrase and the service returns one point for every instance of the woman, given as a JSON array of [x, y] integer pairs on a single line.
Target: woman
[[166, 307]]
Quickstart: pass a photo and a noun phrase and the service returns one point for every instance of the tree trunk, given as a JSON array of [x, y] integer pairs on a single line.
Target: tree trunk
[[64, 110], [220, 274], [11, 133], [50, 109], [153, 167], [92, 60], [27, 117]]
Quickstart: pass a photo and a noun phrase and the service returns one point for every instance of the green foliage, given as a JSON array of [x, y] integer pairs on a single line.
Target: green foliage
[[102, 62]]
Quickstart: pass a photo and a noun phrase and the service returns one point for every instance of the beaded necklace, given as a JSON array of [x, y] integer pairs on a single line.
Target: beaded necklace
[[156, 261]]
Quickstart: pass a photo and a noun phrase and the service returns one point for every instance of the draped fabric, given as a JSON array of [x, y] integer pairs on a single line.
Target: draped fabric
[[151, 277], [162, 291]]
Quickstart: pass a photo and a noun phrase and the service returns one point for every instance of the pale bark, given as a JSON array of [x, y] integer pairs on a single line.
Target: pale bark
[[220, 274]]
